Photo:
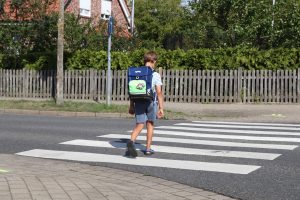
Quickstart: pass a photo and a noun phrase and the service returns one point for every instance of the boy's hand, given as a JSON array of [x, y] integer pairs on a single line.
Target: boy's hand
[[160, 113], [131, 110]]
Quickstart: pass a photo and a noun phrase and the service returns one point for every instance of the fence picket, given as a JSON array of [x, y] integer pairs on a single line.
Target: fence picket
[[294, 86], [247, 86], [176, 92], [208, 87], [172, 86], [231, 86], [104, 82], [167, 85], [235, 86], [270, 82], [190, 86], [212, 86], [185, 88], [285, 87], [203, 77], [265, 88], [261, 85], [220, 85]]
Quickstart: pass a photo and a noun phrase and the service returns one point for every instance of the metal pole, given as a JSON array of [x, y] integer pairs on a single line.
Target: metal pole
[[109, 82], [60, 55], [132, 18]]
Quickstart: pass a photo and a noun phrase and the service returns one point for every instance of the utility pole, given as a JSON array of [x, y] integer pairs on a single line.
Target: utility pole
[[60, 55], [109, 81]]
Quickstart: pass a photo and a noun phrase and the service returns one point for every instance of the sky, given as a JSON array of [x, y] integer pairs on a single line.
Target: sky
[[184, 2]]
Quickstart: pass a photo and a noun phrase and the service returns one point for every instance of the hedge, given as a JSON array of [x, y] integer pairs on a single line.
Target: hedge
[[229, 58]]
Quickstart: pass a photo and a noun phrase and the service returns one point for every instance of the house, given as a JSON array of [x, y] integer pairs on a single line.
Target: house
[[102, 9], [94, 9]]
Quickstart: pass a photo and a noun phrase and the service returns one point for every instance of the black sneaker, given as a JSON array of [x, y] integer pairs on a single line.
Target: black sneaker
[[131, 152], [149, 152]]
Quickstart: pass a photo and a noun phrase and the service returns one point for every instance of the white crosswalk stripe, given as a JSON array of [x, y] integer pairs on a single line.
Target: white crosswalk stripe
[[239, 131], [247, 123], [234, 137], [154, 162], [239, 126], [207, 142], [212, 139], [178, 150]]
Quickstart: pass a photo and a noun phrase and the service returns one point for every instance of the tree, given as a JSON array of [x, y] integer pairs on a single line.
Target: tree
[[158, 23], [286, 30], [223, 23], [26, 32]]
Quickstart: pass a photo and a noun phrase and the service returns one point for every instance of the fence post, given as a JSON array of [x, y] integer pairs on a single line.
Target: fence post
[[298, 86]]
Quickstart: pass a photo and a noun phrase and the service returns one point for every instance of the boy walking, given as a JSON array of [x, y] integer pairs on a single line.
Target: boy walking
[[146, 111]]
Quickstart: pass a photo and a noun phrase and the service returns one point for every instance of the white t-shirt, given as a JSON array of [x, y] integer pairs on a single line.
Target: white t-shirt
[[156, 80]]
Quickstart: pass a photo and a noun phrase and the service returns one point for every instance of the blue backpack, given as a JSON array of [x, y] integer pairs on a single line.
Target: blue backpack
[[140, 83]]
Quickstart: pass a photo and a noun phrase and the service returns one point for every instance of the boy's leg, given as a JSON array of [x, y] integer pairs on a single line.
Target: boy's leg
[[140, 117], [136, 131], [151, 115], [131, 151], [150, 127]]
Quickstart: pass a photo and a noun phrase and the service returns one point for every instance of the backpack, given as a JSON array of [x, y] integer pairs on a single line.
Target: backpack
[[140, 83]]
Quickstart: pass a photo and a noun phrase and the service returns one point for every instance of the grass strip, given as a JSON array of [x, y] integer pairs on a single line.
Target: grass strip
[[71, 106], [66, 106]]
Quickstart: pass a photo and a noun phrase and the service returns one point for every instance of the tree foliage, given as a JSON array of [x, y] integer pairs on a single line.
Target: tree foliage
[[230, 23], [206, 34], [158, 23], [218, 23]]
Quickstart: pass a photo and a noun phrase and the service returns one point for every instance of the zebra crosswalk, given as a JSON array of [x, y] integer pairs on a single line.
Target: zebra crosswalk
[[246, 142]]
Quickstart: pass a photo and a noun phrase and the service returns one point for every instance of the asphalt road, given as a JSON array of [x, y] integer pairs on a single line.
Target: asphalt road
[[277, 179]]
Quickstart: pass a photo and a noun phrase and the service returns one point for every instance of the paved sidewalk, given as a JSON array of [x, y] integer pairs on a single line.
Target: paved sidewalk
[[277, 113], [26, 178]]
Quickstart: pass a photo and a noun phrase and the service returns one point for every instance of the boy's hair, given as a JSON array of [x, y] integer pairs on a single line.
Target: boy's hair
[[150, 56]]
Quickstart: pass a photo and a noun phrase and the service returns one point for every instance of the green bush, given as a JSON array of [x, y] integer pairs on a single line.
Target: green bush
[[39, 61]]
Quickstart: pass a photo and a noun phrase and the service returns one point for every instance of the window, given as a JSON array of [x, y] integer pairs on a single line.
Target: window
[[85, 8], [106, 9]]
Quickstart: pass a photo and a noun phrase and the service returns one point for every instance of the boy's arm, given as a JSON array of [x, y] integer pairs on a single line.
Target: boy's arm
[[160, 99], [131, 108]]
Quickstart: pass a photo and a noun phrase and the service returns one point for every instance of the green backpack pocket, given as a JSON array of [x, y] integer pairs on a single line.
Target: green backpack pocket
[[137, 87]]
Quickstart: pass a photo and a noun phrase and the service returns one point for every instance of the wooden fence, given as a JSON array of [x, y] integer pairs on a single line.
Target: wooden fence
[[214, 86]]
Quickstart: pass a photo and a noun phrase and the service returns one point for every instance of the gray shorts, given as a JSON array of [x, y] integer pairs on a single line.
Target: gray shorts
[[145, 111]]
